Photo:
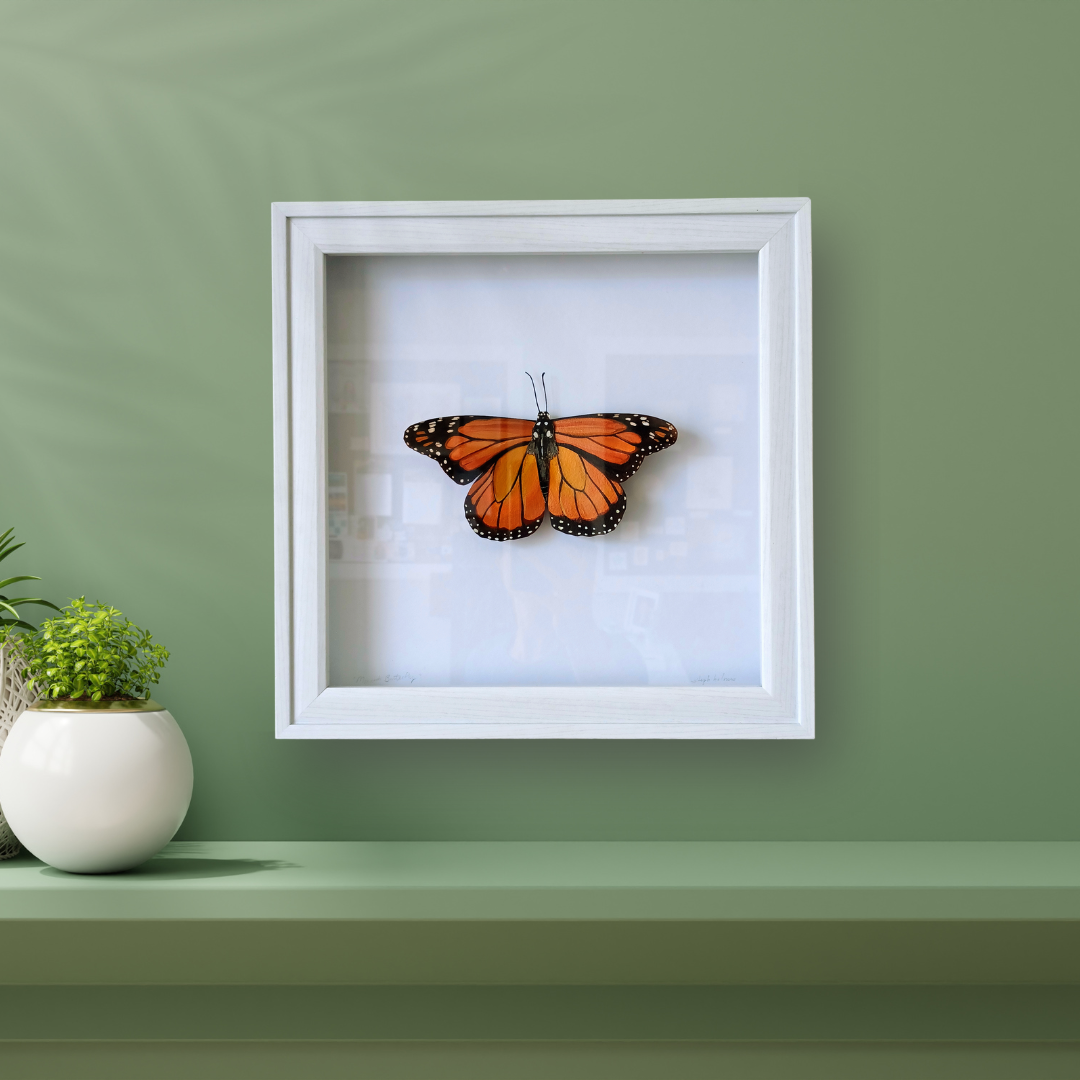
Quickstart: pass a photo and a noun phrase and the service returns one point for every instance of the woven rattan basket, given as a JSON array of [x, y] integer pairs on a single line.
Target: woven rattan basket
[[15, 696]]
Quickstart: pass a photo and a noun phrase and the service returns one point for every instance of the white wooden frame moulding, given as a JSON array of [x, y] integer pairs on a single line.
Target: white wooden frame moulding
[[778, 230]]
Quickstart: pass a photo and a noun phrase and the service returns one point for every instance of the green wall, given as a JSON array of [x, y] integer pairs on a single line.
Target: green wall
[[140, 147]]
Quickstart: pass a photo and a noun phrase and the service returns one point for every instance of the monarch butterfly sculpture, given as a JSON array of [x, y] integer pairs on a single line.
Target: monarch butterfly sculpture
[[573, 468]]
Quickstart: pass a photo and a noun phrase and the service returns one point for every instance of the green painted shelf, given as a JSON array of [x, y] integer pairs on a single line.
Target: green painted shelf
[[560, 880], [553, 913]]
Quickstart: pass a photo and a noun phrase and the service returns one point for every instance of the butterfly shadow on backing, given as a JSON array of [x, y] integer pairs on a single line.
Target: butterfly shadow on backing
[[572, 468]]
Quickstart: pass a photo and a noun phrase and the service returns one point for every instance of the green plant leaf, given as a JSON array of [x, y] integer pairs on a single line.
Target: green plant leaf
[[21, 577], [6, 547]]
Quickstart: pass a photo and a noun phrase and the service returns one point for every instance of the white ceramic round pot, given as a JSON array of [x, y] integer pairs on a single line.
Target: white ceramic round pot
[[95, 787]]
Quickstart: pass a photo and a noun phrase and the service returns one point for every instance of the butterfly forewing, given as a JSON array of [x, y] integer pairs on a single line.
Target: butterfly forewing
[[617, 443], [465, 445]]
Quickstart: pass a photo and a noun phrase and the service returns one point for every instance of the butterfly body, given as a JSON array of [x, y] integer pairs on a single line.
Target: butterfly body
[[571, 468], [543, 446]]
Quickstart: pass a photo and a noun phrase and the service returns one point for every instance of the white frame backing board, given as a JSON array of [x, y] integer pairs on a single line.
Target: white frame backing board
[[777, 231]]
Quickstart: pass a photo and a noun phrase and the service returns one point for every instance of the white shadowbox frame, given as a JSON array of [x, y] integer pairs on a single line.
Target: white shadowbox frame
[[778, 231]]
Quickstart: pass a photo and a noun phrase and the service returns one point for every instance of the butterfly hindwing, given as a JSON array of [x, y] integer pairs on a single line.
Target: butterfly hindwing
[[617, 443], [465, 445], [582, 499], [507, 501]]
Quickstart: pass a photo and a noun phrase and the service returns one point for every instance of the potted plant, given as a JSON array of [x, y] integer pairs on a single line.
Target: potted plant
[[96, 776], [15, 693]]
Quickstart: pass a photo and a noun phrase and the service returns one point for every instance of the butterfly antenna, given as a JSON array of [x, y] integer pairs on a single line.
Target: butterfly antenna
[[544, 385], [533, 381]]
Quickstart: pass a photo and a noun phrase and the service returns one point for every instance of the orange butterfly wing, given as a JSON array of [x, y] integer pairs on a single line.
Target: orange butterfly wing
[[465, 445], [582, 500], [507, 501], [617, 442], [595, 453]]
